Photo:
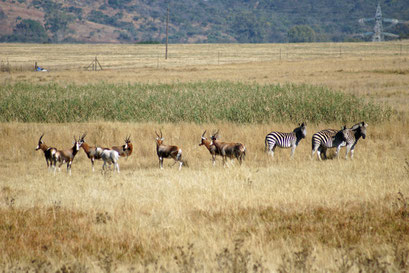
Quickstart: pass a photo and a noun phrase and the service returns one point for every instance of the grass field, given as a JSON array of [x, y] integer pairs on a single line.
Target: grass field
[[267, 215]]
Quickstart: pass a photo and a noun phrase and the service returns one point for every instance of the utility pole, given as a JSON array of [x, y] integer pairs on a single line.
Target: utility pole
[[167, 32]]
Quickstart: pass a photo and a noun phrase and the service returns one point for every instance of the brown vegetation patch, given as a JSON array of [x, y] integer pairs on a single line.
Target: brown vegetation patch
[[38, 233], [391, 71], [348, 226]]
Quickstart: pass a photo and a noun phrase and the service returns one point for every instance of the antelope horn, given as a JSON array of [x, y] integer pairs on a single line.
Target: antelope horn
[[161, 135], [157, 134], [83, 136], [41, 137], [204, 133]]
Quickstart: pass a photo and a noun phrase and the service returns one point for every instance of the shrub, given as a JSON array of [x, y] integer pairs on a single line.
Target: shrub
[[184, 102]]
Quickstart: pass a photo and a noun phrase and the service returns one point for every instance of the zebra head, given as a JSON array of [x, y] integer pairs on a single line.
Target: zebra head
[[360, 129], [301, 131]]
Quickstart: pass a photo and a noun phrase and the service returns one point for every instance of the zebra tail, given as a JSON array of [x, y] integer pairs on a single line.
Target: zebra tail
[[265, 145]]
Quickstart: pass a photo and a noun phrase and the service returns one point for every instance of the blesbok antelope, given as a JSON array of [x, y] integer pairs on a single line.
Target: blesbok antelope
[[109, 156], [230, 150], [48, 152], [126, 149], [167, 151], [212, 148], [90, 151], [67, 156]]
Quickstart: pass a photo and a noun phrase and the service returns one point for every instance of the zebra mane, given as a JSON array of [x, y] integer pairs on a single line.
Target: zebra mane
[[299, 127], [356, 126]]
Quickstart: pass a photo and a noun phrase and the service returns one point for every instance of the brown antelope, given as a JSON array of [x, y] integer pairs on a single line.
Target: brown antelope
[[212, 148], [124, 150], [48, 152], [231, 150], [166, 151], [67, 156], [91, 151]]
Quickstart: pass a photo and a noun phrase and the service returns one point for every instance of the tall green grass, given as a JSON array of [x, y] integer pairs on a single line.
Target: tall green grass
[[188, 102]]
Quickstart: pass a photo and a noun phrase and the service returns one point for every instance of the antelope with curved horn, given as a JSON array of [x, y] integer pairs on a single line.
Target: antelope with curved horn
[[48, 152], [230, 150], [90, 151], [167, 151], [212, 148], [67, 156], [126, 149]]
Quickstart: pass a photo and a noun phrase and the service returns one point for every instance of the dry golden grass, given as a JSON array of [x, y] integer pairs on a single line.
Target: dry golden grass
[[264, 216], [268, 211], [376, 70]]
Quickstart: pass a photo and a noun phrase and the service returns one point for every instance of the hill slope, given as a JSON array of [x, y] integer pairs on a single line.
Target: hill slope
[[191, 21]]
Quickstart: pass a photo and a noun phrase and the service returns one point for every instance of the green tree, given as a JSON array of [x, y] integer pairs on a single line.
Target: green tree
[[248, 28], [57, 22], [27, 31], [301, 34]]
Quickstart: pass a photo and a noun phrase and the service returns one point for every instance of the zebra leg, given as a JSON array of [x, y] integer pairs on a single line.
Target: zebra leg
[[337, 152], [271, 150], [314, 149], [319, 154], [348, 149], [292, 151]]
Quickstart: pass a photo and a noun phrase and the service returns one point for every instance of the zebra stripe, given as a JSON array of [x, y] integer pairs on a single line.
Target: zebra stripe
[[285, 140], [328, 138], [352, 135]]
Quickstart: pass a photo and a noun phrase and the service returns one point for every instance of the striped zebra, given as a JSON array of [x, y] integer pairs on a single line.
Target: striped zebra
[[352, 135], [328, 138], [285, 140]]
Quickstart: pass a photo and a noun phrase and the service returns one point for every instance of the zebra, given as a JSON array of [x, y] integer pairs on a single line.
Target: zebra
[[328, 138], [285, 140], [351, 137]]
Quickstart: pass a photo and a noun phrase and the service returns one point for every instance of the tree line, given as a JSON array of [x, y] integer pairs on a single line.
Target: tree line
[[209, 21]]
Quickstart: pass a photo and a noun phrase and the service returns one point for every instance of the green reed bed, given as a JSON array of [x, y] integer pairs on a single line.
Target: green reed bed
[[184, 102]]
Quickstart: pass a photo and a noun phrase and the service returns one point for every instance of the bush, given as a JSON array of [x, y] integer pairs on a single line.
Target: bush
[[301, 34], [184, 102]]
